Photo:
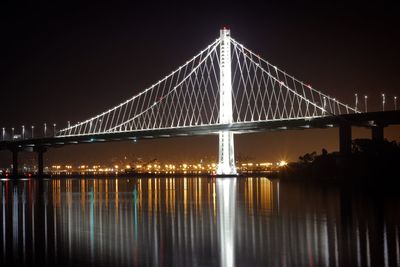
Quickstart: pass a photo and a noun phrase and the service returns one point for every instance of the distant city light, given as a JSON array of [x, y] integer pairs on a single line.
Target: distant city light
[[282, 163], [155, 168]]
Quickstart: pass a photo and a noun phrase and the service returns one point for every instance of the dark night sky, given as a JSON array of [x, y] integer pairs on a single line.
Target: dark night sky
[[68, 61]]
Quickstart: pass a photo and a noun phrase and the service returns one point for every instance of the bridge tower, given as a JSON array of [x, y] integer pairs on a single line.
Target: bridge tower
[[226, 165]]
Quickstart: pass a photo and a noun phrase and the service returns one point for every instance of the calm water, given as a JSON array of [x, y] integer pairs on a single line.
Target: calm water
[[195, 222]]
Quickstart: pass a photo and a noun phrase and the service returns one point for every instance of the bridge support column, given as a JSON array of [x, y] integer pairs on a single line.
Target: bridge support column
[[15, 162], [377, 133], [226, 165], [345, 139], [40, 151]]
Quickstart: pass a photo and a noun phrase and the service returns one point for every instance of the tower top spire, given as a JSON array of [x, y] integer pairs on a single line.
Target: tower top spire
[[225, 32]]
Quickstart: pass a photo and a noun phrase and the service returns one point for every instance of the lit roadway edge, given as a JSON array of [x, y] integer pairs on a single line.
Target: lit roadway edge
[[369, 119]]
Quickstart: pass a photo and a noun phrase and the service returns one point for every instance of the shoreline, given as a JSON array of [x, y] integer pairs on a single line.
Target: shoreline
[[271, 174]]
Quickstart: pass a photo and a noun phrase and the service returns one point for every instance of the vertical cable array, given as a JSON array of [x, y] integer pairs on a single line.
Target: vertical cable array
[[263, 92], [186, 97], [189, 97]]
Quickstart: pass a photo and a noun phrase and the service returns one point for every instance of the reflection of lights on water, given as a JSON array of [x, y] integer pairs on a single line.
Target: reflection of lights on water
[[91, 194], [135, 212], [226, 195], [87, 224], [15, 225], [385, 246], [45, 197], [4, 219]]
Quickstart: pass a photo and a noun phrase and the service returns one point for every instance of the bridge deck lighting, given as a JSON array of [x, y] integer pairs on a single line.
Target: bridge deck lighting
[[383, 102], [356, 101]]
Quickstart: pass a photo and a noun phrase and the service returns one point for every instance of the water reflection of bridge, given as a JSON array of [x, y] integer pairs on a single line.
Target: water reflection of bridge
[[176, 221]]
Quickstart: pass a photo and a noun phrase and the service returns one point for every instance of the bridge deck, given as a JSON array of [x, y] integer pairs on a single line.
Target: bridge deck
[[369, 119]]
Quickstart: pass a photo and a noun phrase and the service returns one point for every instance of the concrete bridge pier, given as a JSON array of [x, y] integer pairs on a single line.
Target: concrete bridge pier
[[15, 162], [40, 151], [377, 133], [345, 139]]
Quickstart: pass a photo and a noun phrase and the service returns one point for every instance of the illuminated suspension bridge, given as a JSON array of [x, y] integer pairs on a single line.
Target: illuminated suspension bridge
[[224, 89]]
